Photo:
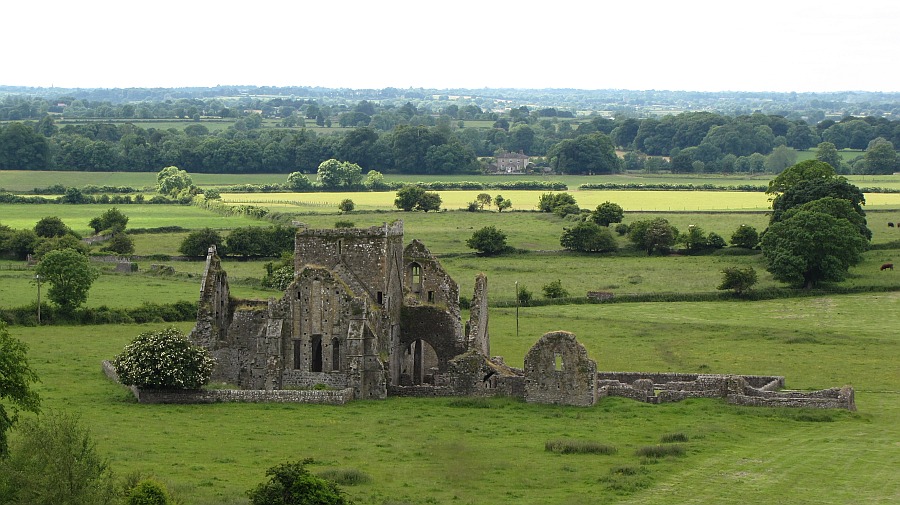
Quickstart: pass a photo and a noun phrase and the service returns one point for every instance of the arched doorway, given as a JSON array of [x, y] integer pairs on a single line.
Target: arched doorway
[[419, 363]]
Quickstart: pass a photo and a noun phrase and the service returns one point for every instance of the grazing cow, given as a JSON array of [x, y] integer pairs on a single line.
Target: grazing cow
[[887, 266], [890, 225]]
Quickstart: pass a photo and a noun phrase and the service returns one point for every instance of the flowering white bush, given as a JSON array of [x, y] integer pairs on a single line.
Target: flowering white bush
[[163, 359]]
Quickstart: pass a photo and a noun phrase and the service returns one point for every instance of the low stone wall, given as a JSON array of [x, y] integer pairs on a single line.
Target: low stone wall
[[329, 397], [326, 397], [422, 391]]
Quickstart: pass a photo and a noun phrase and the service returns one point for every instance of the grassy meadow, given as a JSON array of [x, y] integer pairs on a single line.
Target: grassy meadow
[[422, 451], [427, 451]]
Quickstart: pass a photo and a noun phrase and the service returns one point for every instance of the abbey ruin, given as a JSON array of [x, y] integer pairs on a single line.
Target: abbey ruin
[[367, 317]]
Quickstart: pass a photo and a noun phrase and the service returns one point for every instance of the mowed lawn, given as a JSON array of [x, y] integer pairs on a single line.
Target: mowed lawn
[[420, 451]]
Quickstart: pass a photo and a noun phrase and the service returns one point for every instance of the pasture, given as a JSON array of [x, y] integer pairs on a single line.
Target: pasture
[[420, 451]]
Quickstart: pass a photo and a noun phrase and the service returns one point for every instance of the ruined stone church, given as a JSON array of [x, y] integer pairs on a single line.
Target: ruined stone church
[[364, 312]]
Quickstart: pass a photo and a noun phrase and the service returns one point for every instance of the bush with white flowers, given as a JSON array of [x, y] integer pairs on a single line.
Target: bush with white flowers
[[163, 359]]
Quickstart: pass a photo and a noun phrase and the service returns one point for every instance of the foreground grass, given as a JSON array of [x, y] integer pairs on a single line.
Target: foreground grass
[[419, 451]]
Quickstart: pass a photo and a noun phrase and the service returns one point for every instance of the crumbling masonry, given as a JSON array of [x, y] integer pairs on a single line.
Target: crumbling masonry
[[366, 317]]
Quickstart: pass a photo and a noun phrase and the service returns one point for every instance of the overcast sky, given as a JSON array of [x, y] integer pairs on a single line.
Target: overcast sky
[[700, 45]]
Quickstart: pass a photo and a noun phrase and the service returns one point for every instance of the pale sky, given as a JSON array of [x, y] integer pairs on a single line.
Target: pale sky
[[698, 45]]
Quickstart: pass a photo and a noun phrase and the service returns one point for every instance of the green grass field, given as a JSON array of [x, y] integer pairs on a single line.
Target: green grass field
[[423, 451], [420, 451]]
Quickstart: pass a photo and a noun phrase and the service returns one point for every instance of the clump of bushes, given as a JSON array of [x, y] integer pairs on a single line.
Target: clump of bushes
[[346, 476], [669, 438], [578, 447], [659, 451], [163, 359]]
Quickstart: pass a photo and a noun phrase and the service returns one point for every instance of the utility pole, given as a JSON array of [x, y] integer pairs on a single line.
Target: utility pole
[[517, 311], [37, 279]]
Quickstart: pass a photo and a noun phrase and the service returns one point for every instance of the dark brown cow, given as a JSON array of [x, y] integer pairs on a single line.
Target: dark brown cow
[[887, 266]]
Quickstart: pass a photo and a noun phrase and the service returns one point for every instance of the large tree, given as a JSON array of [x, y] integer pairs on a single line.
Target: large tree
[[587, 236], [826, 152], [585, 154], [70, 275], [811, 247], [16, 377], [171, 180], [339, 175], [653, 235], [881, 158], [804, 171], [814, 189]]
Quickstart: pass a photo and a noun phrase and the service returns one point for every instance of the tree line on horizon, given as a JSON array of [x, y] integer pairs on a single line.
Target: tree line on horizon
[[411, 141]]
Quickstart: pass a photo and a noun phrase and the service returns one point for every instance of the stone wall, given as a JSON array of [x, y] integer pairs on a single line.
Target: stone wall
[[144, 395]]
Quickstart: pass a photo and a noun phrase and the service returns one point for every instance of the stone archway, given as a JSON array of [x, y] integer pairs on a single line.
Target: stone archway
[[558, 370]]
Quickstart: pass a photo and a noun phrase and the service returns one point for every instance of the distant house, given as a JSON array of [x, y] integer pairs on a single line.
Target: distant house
[[511, 163]]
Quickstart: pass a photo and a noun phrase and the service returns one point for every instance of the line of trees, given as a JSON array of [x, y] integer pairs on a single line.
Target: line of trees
[[683, 143]]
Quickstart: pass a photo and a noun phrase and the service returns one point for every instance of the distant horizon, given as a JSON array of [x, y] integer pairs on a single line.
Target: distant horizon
[[445, 88]]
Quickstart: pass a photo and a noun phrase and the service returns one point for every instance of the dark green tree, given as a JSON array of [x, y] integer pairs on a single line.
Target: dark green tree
[[554, 290], [835, 207], [16, 378], [120, 243], [292, 484], [804, 171], [408, 197], [808, 247], [70, 276], [502, 203], [588, 236], [737, 279], [298, 182], [346, 205], [548, 202], [339, 175], [745, 236], [814, 189], [429, 200], [197, 243], [112, 221], [488, 241], [654, 235], [585, 154], [607, 213], [51, 226]]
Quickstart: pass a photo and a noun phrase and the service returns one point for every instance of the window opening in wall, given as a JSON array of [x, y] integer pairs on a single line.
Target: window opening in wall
[[557, 362], [298, 354], [431, 297], [340, 246], [416, 271], [335, 354], [316, 365], [380, 296]]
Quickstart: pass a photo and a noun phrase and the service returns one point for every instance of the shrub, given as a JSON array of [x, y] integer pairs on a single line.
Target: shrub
[[578, 447], [659, 451], [346, 476], [163, 359], [120, 243], [344, 224], [548, 202], [621, 228], [55, 460], [524, 296], [555, 290], [346, 205], [587, 236], [292, 484], [745, 236], [488, 241], [197, 243], [669, 438], [607, 213], [738, 279], [715, 241], [148, 492]]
